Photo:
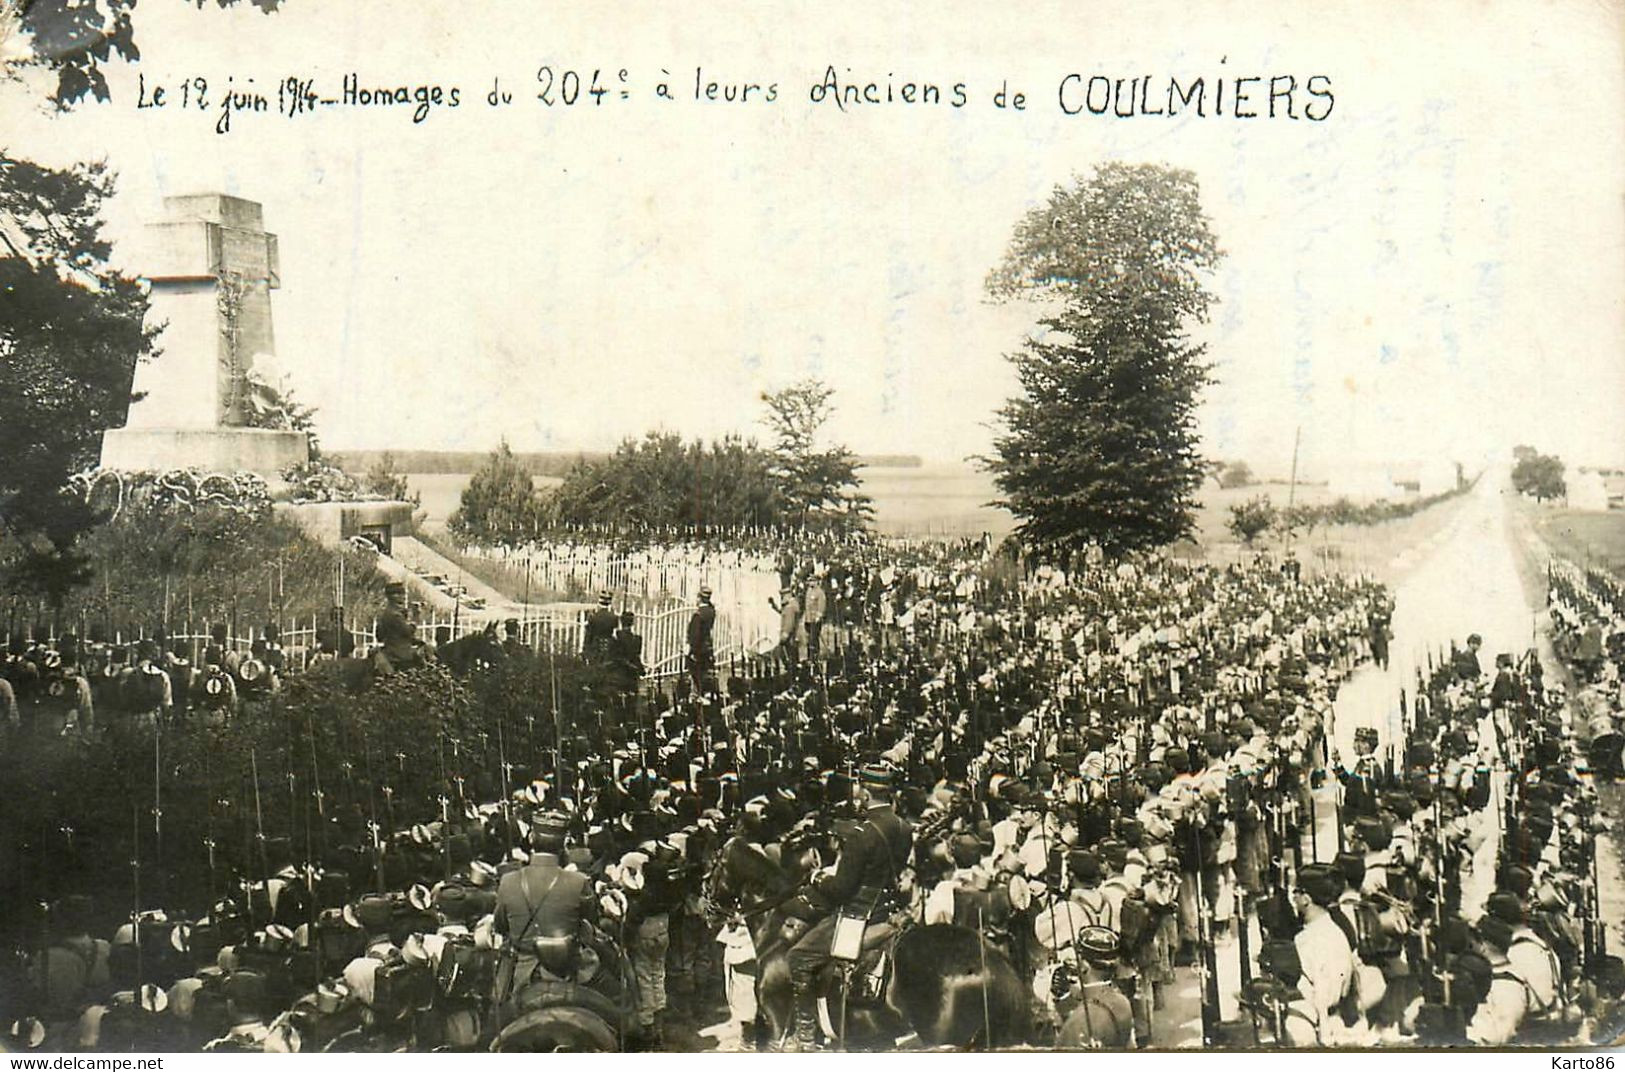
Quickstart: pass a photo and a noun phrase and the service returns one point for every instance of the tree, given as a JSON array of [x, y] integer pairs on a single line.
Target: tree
[[75, 37], [819, 483], [71, 333], [1248, 520], [659, 482], [499, 506], [1101, 445], [1539, 475], [385, 480], [1237, 474]]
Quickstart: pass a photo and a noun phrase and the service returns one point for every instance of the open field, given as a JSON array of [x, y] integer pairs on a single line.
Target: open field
[[951, 499], [935, 500], [1588, 537]]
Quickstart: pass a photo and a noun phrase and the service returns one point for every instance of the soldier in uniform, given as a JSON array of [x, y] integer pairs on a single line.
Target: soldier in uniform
[[1465, 660], [400, 647], [626, 659], [513, 645], [145, 688], [541, 906], [1324, 951], [702, 656], [1098, 1015], [600, 629], [863, 884]]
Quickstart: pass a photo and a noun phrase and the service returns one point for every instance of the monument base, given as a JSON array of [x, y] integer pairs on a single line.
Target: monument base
[[218, 450], [334, 523]]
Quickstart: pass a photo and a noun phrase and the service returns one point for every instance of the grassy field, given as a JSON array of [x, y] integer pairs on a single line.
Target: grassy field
[[1371, 549], [947, 499], [1588, 537], [934, 500]]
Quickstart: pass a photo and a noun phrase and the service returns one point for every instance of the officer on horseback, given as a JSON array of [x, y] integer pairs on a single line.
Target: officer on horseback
[[399, 644], [862, 886]]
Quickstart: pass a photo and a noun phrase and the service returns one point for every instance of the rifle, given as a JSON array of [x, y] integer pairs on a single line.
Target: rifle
[[1209, 953], [259, 818], [372, 826]]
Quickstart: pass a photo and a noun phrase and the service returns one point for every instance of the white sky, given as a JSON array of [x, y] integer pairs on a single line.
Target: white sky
[[1437, 268]]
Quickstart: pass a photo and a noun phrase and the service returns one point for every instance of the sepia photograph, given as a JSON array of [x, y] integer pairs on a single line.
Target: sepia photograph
[[780, 528]]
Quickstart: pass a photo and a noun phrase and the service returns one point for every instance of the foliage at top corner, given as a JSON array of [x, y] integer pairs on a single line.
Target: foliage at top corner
[[76, 38]]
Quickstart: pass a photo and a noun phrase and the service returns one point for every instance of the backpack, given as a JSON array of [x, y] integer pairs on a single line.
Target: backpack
[[217, 688]]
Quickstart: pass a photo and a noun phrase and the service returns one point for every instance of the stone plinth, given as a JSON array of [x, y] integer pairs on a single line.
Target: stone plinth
[[333, 523], [221, 450], [212, 267]]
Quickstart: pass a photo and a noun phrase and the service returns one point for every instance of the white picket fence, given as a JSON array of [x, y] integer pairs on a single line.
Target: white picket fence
[[663, 624]]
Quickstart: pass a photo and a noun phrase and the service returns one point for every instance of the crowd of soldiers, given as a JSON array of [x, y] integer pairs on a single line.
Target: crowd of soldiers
[[1120, 777]]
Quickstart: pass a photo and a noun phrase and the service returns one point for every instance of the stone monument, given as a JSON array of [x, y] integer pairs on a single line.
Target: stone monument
[[212, 268]]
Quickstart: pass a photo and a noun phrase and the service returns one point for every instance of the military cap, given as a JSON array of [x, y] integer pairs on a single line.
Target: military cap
[[1097, 945], [547, 831], [1505, 907], [1321, 883], [1113, 852], [1516, 878], [878, 774], [1084, 866], [1400, 803], [395, 588], [1352, 867], [1373, 832]]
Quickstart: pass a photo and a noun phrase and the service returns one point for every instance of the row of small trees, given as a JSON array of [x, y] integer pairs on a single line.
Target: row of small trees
[[1259, 515], [663, 482]]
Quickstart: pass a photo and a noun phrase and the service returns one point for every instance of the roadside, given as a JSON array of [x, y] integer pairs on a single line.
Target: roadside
[[1530, 532]]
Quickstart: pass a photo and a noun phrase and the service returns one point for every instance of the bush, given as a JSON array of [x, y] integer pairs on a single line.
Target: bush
[[149, 566], [1251, 518], [1236, 475]]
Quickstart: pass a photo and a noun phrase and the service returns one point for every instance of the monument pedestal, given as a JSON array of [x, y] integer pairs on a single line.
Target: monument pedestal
[[216, 450], [212, 270]]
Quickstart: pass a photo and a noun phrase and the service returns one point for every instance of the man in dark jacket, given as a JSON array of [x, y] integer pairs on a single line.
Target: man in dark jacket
[[626, 659], [600, 628], [702, 656], [863, 884], [541, 906], [1465, 659]]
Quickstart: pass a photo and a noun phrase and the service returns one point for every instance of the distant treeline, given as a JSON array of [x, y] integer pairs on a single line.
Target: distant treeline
[[536, 463]]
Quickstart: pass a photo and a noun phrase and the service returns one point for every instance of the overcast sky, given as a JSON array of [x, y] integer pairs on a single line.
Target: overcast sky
[[1435, 269]]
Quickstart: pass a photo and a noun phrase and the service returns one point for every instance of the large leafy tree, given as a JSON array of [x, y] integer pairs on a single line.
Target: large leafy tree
[[820, 481], [1539, 475], [71, 333], [1101, 445]]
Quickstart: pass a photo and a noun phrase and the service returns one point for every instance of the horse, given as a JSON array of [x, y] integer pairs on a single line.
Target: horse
[[476, 650], [946, 984]]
